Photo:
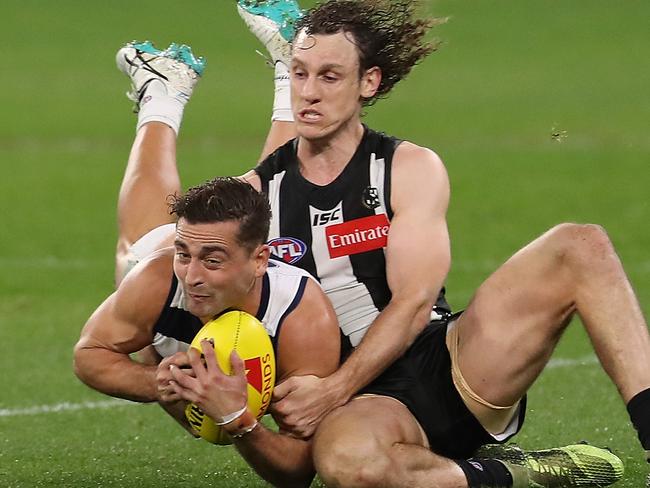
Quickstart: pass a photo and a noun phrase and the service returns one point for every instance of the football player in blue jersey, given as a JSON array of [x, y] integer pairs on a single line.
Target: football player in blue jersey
[[218, 262]]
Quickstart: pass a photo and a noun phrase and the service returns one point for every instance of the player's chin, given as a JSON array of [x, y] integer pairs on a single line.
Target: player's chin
[[314, 130], [202, 308]]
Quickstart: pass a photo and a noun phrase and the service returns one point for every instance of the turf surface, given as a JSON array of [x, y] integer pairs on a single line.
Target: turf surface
[[509, 75]]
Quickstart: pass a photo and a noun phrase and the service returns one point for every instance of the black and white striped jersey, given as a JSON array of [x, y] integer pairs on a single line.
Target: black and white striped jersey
[[282, 290], [337, 232]]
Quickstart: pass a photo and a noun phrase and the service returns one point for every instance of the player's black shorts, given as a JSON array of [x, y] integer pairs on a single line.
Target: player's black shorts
[[421, 380]]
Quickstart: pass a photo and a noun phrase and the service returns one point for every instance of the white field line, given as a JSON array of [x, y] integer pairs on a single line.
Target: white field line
[[571, 363], [64, 407], [113, 403], [50, 262]]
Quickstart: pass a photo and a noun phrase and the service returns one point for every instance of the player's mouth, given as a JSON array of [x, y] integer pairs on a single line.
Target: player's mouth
[[199, 298], [309, 115]]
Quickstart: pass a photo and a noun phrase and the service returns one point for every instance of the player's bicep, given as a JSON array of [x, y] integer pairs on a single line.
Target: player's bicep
[[124, 322], [418, 251], [417, 258], [309, 341], [111, 329]]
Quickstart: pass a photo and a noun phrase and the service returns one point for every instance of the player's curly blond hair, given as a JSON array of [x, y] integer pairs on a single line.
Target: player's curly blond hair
[[387, 34]]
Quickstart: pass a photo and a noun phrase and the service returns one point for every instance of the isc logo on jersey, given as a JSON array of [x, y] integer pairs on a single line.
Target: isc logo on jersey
[[287, 249], [325, 217]]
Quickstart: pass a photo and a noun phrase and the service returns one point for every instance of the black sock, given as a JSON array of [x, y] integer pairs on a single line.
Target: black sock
[[639, 410], [484, 473]]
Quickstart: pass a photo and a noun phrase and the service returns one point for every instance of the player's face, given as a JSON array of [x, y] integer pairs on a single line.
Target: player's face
[[215, 271], [326, 89]]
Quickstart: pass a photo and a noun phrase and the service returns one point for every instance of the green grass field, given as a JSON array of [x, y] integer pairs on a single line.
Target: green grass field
[[510, 73]]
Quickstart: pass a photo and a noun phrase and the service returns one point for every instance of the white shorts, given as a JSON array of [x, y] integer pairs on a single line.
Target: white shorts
[[147, 244]]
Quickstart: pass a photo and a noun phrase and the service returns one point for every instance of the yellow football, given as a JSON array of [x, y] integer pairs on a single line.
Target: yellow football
[[245, 334]]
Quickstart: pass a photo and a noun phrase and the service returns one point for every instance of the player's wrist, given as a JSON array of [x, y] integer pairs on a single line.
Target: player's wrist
[[339, 388], [231, 417], [242, 425]]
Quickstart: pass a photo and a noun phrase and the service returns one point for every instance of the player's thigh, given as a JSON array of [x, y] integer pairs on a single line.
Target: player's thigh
[[365, 428], [512, 324]]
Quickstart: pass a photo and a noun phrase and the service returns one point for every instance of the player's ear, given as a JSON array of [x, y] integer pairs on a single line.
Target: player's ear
[[370, 81], [261, 256]]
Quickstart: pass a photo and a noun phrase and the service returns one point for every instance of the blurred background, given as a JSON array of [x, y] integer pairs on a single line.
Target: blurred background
[[540, 111]]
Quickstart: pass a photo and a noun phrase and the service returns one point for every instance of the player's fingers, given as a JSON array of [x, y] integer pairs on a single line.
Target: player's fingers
[[283, 389], [183, 379], [183, 393], [169, 395], [194, 357], [180, 359], [238, 367], [210, 356]]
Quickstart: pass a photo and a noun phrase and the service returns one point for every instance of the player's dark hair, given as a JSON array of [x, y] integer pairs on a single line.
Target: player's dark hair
[[387, 34], [222, 199]]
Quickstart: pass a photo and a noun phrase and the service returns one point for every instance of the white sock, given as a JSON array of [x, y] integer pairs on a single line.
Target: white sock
[[282, 101], [157, 106]]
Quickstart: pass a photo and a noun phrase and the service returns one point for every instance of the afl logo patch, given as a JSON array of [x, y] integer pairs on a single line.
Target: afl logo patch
[[287, 249]]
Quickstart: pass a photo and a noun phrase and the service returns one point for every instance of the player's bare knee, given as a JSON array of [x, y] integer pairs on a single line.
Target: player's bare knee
[[581, 245], [351, 463]]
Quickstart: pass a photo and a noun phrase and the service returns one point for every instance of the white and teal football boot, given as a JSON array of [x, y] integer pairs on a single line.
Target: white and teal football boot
[[176, 67], [273, 23]]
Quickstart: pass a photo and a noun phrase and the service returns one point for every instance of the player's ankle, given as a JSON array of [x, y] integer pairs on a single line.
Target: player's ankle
[[165, 109], [486, 473], [639, 409], [282, 100]]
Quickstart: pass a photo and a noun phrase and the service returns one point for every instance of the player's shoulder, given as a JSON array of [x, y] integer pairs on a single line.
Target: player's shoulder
[[409, 153], [309, 342], [311, 294], [280, 268], [279, 161], [308, 291], [418, 172]]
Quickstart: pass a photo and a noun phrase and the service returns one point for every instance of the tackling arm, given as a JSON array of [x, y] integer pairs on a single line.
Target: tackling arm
[[417, 262], [418, 258]]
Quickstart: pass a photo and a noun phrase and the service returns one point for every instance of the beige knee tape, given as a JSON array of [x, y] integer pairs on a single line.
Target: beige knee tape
[[494, 418]]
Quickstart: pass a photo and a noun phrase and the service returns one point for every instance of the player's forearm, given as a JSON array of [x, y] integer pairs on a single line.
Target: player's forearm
[[281, 460], [176, 410], [115, 374], [387, 338]]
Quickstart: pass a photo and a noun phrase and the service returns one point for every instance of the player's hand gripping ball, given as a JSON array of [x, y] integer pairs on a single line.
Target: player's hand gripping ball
[[245, 334]]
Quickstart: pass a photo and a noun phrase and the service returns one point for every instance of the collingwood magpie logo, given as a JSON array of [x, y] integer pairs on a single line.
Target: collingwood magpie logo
[[370, 197]]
